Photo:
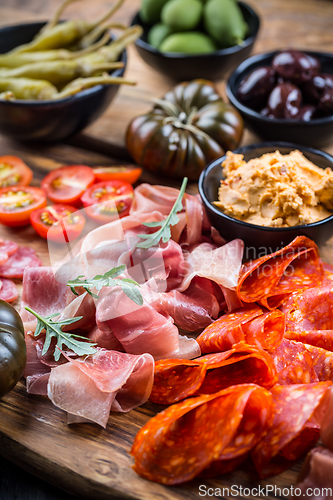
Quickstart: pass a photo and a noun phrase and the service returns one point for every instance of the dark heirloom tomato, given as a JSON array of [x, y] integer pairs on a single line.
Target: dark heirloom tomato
[[190, 127], [13, 353], [59, 223], [106, 201]]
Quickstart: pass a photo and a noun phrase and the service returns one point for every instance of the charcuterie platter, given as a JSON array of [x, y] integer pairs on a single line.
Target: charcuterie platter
[[90, 461]]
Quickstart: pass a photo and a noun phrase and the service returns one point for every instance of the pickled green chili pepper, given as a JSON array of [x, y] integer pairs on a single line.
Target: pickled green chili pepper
[[96, 33], [41, 90], [59, 72], [64, 34], [17, 60], [110, 53]]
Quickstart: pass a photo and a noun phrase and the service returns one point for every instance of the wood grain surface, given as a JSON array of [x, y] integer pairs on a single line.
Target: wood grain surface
[[84, 459]]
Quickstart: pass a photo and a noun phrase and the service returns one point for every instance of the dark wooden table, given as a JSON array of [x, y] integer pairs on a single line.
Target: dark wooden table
[[303, 24]]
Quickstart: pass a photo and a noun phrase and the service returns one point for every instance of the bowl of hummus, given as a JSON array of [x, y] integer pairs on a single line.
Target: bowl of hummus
[[269, 193]]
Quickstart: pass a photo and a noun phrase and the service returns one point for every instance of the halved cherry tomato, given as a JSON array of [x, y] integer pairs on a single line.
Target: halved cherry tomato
[[67, 184], [106, 201], [118, 172], [17, 203], [14, 172], [59, 223]]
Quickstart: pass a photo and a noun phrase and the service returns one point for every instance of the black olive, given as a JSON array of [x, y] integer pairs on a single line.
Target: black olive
[[296, 67], [307, 113], [326, 102], [285, 101], [256, 86]]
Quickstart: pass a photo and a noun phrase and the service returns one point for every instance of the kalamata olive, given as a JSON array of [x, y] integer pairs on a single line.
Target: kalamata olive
[[314, 89], [256, 86], [295, 66], [326, 102], [284, 101], [306, 113]]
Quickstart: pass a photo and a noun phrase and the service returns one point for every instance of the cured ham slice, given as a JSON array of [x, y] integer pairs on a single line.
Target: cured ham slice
[[148, 198], [18, 261], [185, 439], [192, 309], [316, 475], [8, 290], [175, 380], [219, 264], [91, 386], [294, 364], [83, 305], [140, 329], [105, 339], [43, 293], [249, 324], [293, 431], [271, 278]]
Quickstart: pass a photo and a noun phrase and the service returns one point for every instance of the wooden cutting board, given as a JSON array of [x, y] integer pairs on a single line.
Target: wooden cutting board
[[84, 459]]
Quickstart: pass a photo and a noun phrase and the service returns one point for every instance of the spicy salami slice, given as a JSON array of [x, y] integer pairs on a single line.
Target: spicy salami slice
[[271, 277], [322, 362], [226, 331], [184, 439], [8, 290], [17, 262], [294, 407], [176, 379], [294, 363], [249, 324]]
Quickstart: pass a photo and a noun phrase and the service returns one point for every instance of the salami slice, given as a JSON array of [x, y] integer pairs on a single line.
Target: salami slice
[[249, 324], [270, 278], [7, 248], [294, 363], [226, 331], [8, 290], [184, 439], [175, 380], [294, 407], [322, 361], [15, 265]]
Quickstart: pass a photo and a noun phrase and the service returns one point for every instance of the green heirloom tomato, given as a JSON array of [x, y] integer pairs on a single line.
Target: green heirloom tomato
[[182, 15], [13, 353], [192, 42], [224, 21], [187, 129], [157, 34], [151, 10]]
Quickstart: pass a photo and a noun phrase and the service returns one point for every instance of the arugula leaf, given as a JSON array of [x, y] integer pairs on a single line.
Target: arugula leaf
[[53, 329], [128, 286], [164, 233]]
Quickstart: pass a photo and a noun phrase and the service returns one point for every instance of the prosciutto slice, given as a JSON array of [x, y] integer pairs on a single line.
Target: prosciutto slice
[[219, 264], [316, 475], [148, 198], [43, 293], [89, 387], [141, 329]]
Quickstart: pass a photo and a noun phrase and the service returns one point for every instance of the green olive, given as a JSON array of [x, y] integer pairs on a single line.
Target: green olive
[[182, 15], [192, 42], [224, 21], [157, 34], [151, 10]]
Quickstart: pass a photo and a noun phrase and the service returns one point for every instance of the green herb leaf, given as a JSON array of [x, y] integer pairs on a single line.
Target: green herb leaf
[[128, 286], [53, 329], [164, 233]]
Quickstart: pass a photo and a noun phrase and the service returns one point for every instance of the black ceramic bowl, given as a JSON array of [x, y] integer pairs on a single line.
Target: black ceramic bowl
[[316, 132], [213, 66], [259, 239], [49, 121]]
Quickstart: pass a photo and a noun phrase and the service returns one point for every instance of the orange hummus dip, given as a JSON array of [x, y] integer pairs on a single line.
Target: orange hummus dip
[[275, 190]]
